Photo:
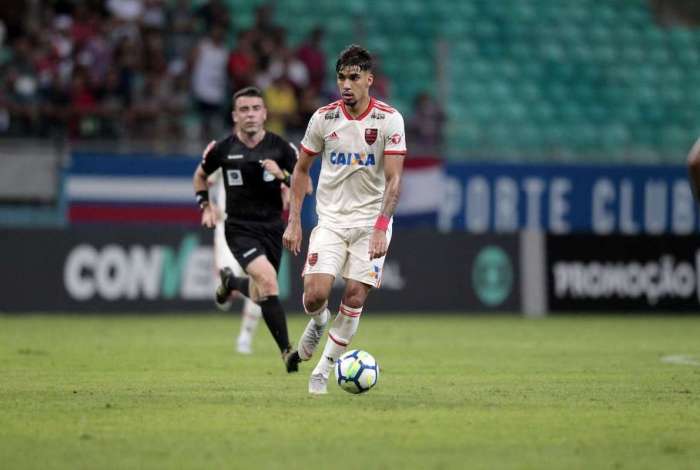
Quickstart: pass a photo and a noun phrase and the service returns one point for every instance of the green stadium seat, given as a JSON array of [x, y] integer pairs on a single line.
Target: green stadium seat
[[566, 79]]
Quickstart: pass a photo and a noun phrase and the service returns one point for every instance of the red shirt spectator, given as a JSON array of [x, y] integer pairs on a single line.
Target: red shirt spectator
[[311, 54]]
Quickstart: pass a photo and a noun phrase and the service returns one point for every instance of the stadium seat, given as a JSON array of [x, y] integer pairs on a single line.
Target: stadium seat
[[540, 71]]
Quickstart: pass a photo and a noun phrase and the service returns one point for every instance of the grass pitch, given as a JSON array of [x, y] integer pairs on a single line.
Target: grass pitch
[[455, 392]]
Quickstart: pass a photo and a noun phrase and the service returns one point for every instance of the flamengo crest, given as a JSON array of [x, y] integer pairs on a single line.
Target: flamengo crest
[[313, 257], [371, 136]]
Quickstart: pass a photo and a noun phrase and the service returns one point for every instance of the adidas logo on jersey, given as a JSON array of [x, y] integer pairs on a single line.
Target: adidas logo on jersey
[[333, 136], [350, 158]]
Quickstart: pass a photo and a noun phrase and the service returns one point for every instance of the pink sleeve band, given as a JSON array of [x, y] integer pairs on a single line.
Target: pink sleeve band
[[382, 223]]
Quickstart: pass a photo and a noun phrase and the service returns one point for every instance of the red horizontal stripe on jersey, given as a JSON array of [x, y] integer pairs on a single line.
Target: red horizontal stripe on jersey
[[394, 152], [308, 150], [128, 213], [329, 107], [384, 107], [336, 340]]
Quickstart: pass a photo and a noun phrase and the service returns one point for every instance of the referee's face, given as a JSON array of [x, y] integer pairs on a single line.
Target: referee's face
[[249, 114]]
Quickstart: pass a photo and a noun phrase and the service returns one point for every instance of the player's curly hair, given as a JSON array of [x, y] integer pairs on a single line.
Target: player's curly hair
[[354, 55]]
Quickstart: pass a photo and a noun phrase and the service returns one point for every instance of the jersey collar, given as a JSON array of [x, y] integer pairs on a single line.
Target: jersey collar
[[361, 116]]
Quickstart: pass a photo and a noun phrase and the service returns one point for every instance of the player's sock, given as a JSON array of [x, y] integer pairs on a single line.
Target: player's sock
[[241, 284], [276, 321], [249, 323], [313, 332], [342, 330]]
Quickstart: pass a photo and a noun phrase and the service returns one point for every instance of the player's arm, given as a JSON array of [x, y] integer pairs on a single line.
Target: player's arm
[[299, 188], [694, 169], [201, 189], [393, 170]]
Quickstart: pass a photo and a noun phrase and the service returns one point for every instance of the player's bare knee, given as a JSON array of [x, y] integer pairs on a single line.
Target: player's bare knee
[[314, 299], [354, 298], [266, 285]]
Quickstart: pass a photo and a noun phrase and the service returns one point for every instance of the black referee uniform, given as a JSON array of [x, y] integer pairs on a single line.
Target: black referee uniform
[[254, 224]]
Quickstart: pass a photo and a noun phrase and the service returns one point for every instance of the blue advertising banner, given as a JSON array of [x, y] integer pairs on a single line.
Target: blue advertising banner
[[480, 198], [562, 199]]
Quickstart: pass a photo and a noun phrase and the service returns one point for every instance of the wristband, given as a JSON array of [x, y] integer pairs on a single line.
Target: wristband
[[287, 180], [202, 198], [382, 223]]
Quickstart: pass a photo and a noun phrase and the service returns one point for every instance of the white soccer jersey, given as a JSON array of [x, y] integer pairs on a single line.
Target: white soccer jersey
[[351, 185]]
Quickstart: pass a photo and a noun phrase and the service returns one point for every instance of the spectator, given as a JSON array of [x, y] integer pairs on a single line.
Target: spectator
[[83, 104], [285, 65], [381, 87], [425, 127], [111, 105], [209, 85], [282, 106], [146, 116], [309, 102], [126, 10], [181, 35], [213, 13], [21, 83], [177, 104], [154, 15], [154, 58], [242, 65], [311, 54]]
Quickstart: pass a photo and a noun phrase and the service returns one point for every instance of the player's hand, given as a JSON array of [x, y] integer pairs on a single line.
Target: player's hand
[[208, 216], [292, 237], [272, 167], [377, 244]]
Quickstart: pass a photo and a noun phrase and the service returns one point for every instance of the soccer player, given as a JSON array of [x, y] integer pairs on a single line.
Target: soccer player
[[254, 162], [223, 258], [362, 144], [694, 169]]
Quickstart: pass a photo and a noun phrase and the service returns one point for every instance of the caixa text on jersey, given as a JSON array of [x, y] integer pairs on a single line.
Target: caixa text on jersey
[[352, 158]]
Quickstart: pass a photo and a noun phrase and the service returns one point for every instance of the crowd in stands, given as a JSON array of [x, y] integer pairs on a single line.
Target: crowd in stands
[[153, 70], [136, 68]]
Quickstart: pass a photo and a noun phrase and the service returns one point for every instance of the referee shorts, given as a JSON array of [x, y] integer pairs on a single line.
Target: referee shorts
[[250, 239]]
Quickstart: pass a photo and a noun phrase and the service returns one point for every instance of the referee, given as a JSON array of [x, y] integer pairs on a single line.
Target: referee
[[254, 164]]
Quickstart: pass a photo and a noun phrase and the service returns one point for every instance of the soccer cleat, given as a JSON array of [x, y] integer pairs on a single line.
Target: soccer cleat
[[310, 339], [223, 292], [291, 360], [318, 384]]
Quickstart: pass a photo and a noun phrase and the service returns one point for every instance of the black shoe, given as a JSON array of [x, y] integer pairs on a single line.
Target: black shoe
[[291, 360], [223, 292]]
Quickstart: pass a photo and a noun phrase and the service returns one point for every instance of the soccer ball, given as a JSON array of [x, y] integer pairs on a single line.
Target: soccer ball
[[356, 371]]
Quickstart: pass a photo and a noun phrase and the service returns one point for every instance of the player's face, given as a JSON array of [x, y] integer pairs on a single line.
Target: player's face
[[249, 114], [353, 84]]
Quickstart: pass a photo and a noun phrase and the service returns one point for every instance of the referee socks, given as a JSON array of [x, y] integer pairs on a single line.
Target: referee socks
[[275, 319]]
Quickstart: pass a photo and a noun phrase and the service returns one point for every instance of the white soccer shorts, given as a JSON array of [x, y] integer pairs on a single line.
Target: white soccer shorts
[[345, 252]]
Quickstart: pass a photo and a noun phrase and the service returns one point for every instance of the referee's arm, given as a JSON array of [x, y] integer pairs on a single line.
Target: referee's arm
[[201, 191]]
